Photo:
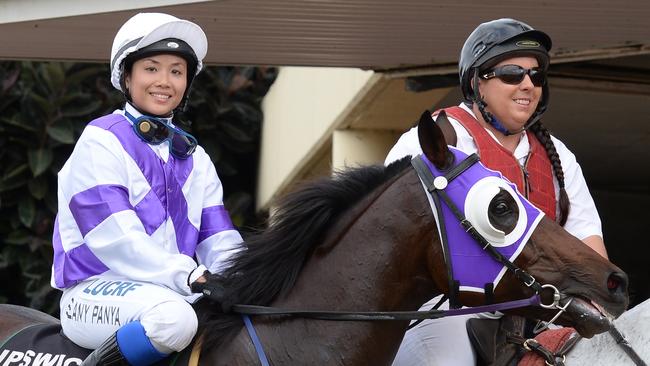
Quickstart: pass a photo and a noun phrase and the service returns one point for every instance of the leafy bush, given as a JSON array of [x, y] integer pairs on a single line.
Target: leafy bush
[[44, 106]]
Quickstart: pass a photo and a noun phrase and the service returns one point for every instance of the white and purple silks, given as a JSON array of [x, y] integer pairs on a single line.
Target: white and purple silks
[[472, 192], [131, 210]]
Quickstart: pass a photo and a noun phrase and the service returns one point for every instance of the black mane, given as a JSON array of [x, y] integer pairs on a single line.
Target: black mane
[[271, 260]]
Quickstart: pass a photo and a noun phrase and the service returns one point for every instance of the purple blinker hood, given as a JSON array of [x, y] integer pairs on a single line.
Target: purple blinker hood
[[471, 265]]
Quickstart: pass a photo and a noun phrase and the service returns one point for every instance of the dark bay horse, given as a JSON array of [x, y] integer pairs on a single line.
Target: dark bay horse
[[367, 240]]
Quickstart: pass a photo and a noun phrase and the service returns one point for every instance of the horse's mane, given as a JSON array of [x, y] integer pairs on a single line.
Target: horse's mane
[[269, 261]]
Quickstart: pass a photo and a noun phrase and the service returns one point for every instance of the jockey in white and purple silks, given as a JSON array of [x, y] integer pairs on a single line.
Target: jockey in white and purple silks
[[141, 213]]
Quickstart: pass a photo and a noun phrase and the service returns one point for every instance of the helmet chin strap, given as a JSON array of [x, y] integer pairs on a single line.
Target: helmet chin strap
[[490, 118]]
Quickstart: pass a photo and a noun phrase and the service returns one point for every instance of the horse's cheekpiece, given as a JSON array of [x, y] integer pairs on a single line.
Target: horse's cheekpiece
[[472, 192], [45, 345]]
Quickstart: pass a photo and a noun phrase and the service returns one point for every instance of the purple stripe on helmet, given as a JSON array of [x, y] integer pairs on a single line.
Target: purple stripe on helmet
[[74, 266], [471, 265], [92, 206], [214, 220]]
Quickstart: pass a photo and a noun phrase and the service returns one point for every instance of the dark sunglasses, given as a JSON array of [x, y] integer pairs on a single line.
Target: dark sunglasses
[[155, 131], [514, 74]]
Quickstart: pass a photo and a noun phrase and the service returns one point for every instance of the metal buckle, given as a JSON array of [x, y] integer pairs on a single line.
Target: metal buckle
[[555, 363], [531, 279], [529, 340]]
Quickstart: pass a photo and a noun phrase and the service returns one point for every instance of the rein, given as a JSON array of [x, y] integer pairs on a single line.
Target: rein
[[382, 315], [627, 347]]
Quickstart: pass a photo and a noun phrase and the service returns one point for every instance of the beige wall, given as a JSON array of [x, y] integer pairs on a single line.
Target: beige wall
[[299, 113], [317, 119], [355, 147]]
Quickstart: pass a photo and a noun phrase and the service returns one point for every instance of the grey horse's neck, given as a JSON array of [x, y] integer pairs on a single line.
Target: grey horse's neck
[[602, 349]]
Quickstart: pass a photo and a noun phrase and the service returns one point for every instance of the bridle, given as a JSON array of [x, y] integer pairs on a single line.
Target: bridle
[[435, 186]]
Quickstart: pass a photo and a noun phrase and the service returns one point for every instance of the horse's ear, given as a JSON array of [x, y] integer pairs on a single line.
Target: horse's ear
[[432, 142]]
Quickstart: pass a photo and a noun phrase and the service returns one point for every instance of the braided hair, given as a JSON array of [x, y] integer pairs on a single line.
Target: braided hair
[[544, 137]]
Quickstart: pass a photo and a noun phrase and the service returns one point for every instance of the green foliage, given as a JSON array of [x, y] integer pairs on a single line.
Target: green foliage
[[44, 107], [40, 121]]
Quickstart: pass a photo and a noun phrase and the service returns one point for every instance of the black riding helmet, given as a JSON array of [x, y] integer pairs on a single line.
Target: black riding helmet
[[494, 41], [166, 46]]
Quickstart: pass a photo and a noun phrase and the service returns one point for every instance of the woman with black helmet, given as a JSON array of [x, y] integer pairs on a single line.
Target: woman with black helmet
[[141, 215], [502, 69]]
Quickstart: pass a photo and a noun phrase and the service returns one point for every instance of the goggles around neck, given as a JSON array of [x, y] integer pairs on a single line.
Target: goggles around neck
[[155, 131], [514, 74]]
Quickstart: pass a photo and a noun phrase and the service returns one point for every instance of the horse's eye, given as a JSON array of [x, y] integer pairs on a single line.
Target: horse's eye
[[499, 207], [503, 211]]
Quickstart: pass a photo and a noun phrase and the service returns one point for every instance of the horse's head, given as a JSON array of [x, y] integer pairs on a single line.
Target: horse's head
[[594, 289]]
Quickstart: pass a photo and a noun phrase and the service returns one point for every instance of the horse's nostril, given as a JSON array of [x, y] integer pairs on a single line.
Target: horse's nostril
[[612, 283], [617, 281]]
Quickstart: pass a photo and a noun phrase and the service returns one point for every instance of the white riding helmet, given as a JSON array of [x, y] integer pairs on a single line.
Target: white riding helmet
[[145, 29]]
